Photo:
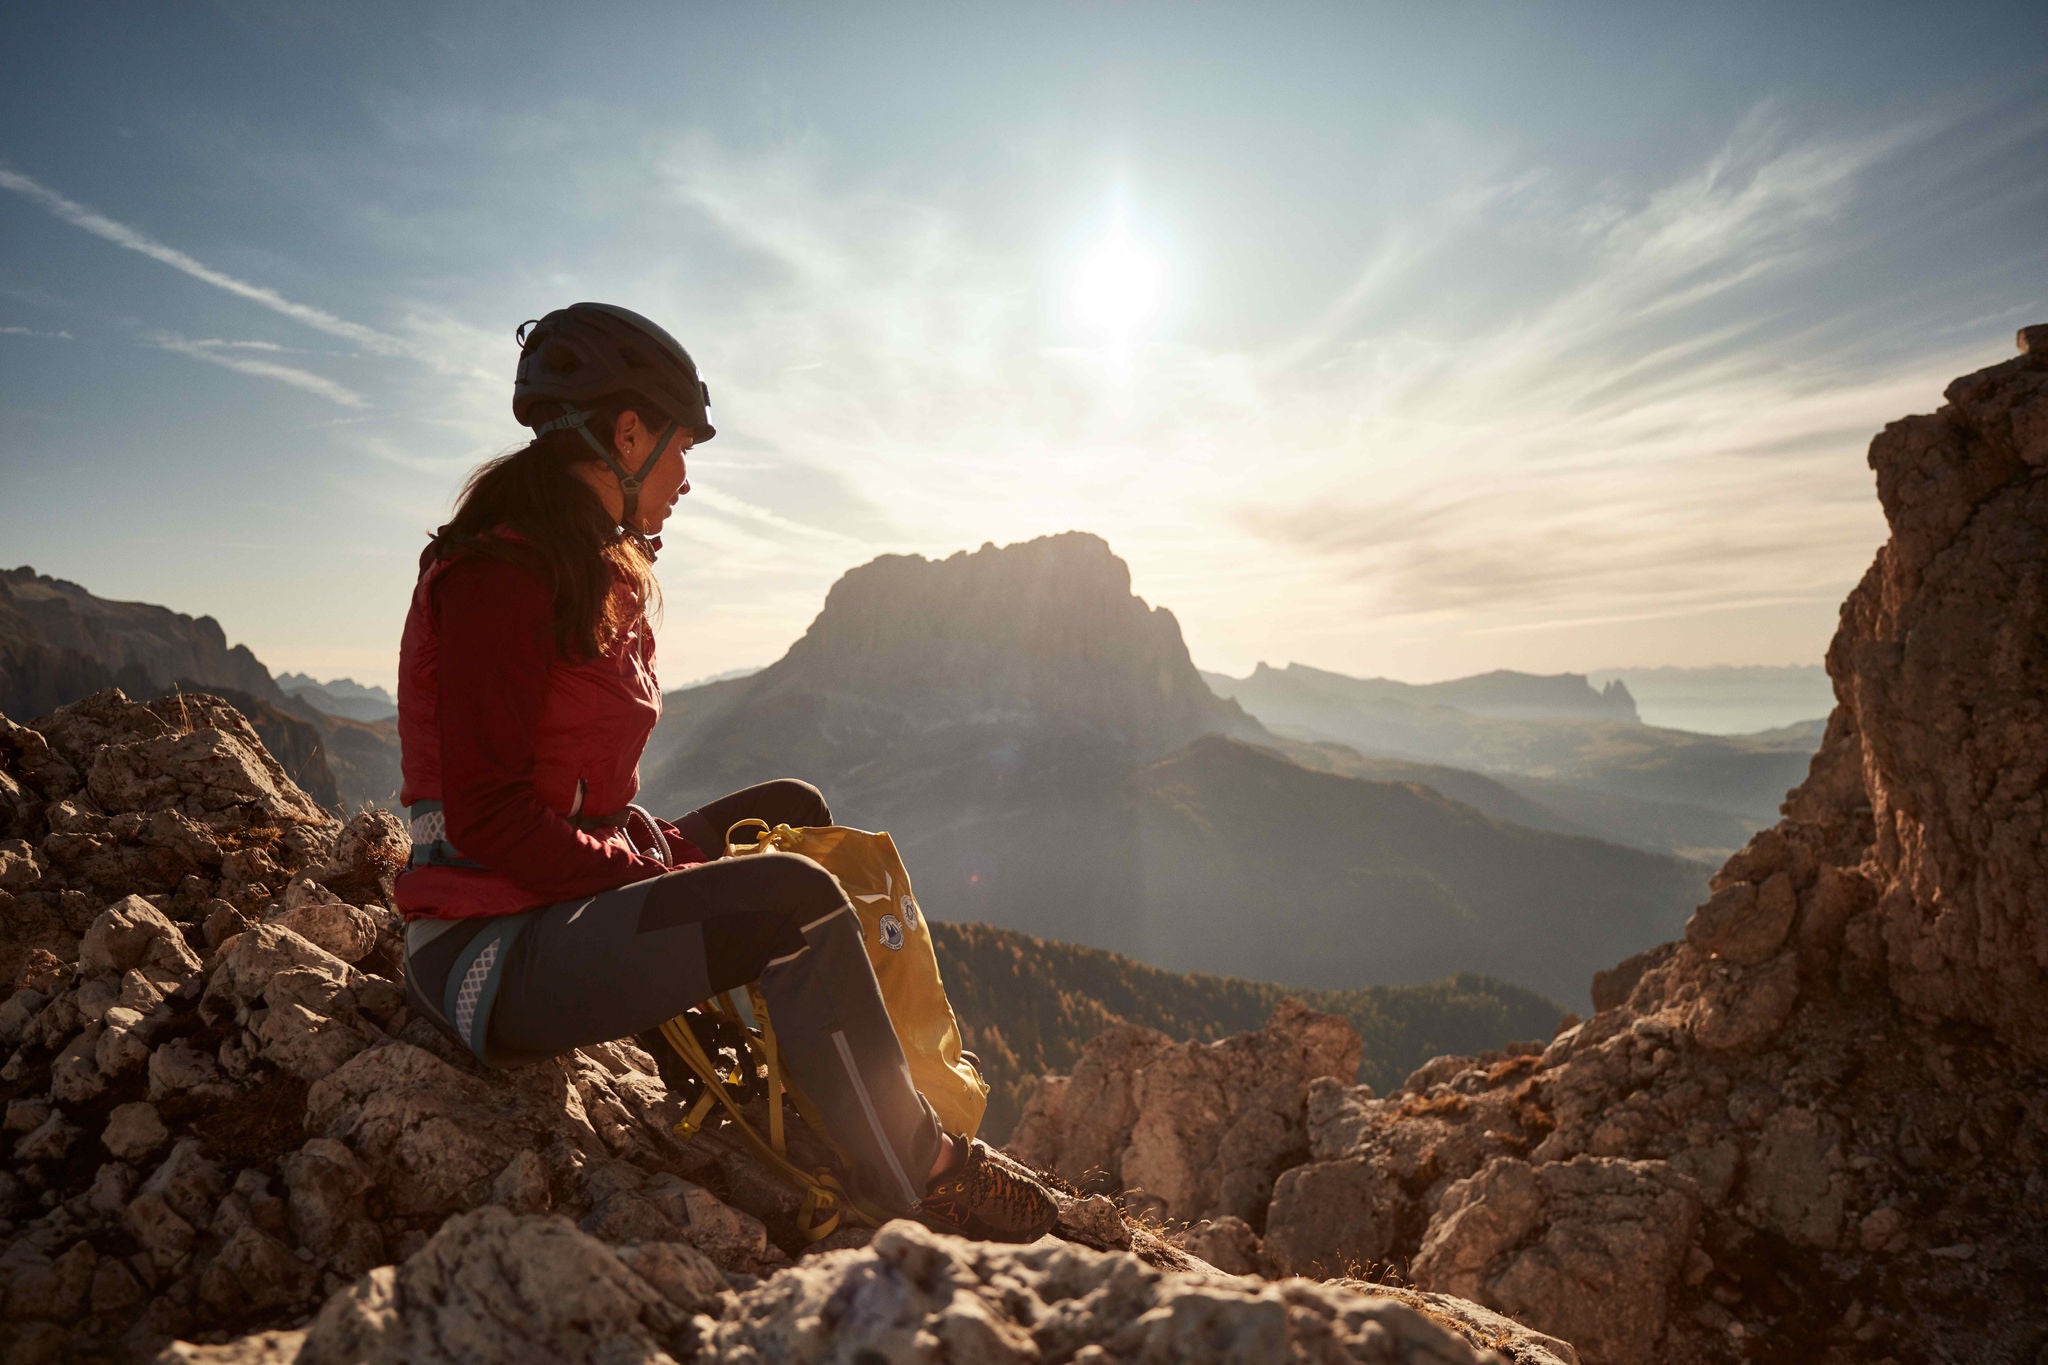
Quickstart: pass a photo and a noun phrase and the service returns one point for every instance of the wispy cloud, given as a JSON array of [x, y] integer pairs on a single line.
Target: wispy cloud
[[217, 344], [1532, 406], [216, 354], [134, 239], [32, 332]]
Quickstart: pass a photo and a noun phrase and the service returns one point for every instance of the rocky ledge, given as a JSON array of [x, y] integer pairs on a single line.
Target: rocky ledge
[[231, 1140], [1816, 1128]]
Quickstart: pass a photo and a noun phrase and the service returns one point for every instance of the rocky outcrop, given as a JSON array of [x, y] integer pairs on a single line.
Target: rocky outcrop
[[491, 1285], [225, 1126], [1812, 1128], [1188, 1130]]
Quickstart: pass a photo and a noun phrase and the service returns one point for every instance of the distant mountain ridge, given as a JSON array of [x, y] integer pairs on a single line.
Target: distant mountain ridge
[[1580, 753], [1729, 699], [60, 643], [1503, 693], [341, 697], [1050, 761]]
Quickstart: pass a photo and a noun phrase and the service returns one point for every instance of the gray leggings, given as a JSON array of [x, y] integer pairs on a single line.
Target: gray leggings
[[621, 962]]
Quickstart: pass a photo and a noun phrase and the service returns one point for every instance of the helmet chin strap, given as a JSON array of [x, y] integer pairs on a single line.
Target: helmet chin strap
[[629, 484]]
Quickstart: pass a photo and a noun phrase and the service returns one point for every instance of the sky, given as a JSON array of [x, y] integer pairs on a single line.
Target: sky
[[1399, 340]]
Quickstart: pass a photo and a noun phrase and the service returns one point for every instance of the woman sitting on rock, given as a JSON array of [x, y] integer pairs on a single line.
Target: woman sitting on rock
[[543, 912]]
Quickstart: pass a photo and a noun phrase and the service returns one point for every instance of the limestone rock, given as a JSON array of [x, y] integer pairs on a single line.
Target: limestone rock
[[494, 1286], [1217, 1122], [912, 1294], [1586, 1249], [1227, 1243], [1189, 1130], [1333, 1218], [251, 1273], [1743, 922], [21, 865], [304, 1022], [132, 933], [324, 919], [219, 769], [49, 1140], [328, 1213], [261, 1348], [133, 1131], [1080, 1124], [35, 1284], [1796, 1178], [431, 1135]]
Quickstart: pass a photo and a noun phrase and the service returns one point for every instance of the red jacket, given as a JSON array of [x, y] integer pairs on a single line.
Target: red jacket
[[514, 740]]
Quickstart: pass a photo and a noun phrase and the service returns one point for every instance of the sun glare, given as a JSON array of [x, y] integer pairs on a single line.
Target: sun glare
[[1118, 289]]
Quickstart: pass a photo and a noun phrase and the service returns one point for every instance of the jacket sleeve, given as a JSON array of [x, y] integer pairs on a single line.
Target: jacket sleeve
[[496, 626]]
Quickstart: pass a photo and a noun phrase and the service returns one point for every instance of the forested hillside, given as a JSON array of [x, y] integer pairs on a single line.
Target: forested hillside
[[1027, 1006]]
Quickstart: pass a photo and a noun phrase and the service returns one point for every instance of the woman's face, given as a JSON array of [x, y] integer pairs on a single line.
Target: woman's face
[[662, 486]]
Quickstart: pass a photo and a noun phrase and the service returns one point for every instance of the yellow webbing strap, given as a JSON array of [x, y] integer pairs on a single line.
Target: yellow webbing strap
[[823, 1203], [773, 1056], [689, 1123]]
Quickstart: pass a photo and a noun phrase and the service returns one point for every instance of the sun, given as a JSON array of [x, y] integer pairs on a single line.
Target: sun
[[1118, 288]]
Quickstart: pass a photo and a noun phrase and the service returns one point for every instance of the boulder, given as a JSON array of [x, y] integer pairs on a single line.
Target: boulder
[[432, 1137], [133, 1131], [133, 934], [1217, 1122], [491, 1285], [1188, 1130], [1080, 1124], [1587, 1249]]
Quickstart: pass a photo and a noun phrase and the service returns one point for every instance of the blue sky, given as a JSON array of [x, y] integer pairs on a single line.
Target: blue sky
[[1403, 340]]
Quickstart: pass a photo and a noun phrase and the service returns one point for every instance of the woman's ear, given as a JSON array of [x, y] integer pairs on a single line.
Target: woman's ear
[[628, 430]]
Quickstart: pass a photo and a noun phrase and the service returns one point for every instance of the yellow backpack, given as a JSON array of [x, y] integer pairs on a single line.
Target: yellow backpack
[[899, 945]]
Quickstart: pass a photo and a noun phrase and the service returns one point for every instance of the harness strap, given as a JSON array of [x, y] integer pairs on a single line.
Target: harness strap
[[431, 846], [825, 1200], [629, 484]]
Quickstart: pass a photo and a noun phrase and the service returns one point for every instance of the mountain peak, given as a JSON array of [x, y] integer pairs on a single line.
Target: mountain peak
[[1044, 631]]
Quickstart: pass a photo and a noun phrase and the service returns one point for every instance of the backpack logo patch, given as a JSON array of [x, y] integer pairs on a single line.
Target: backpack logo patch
[[892, 933], [909, 908]]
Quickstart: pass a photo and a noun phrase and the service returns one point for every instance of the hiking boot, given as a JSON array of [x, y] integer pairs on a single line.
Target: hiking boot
[[989, 1197]]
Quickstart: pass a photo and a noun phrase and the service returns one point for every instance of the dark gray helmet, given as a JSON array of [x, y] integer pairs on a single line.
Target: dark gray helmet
[[578, 355]]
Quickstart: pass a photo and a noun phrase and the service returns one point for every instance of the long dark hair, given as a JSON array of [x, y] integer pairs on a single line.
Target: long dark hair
[[565, 535]]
